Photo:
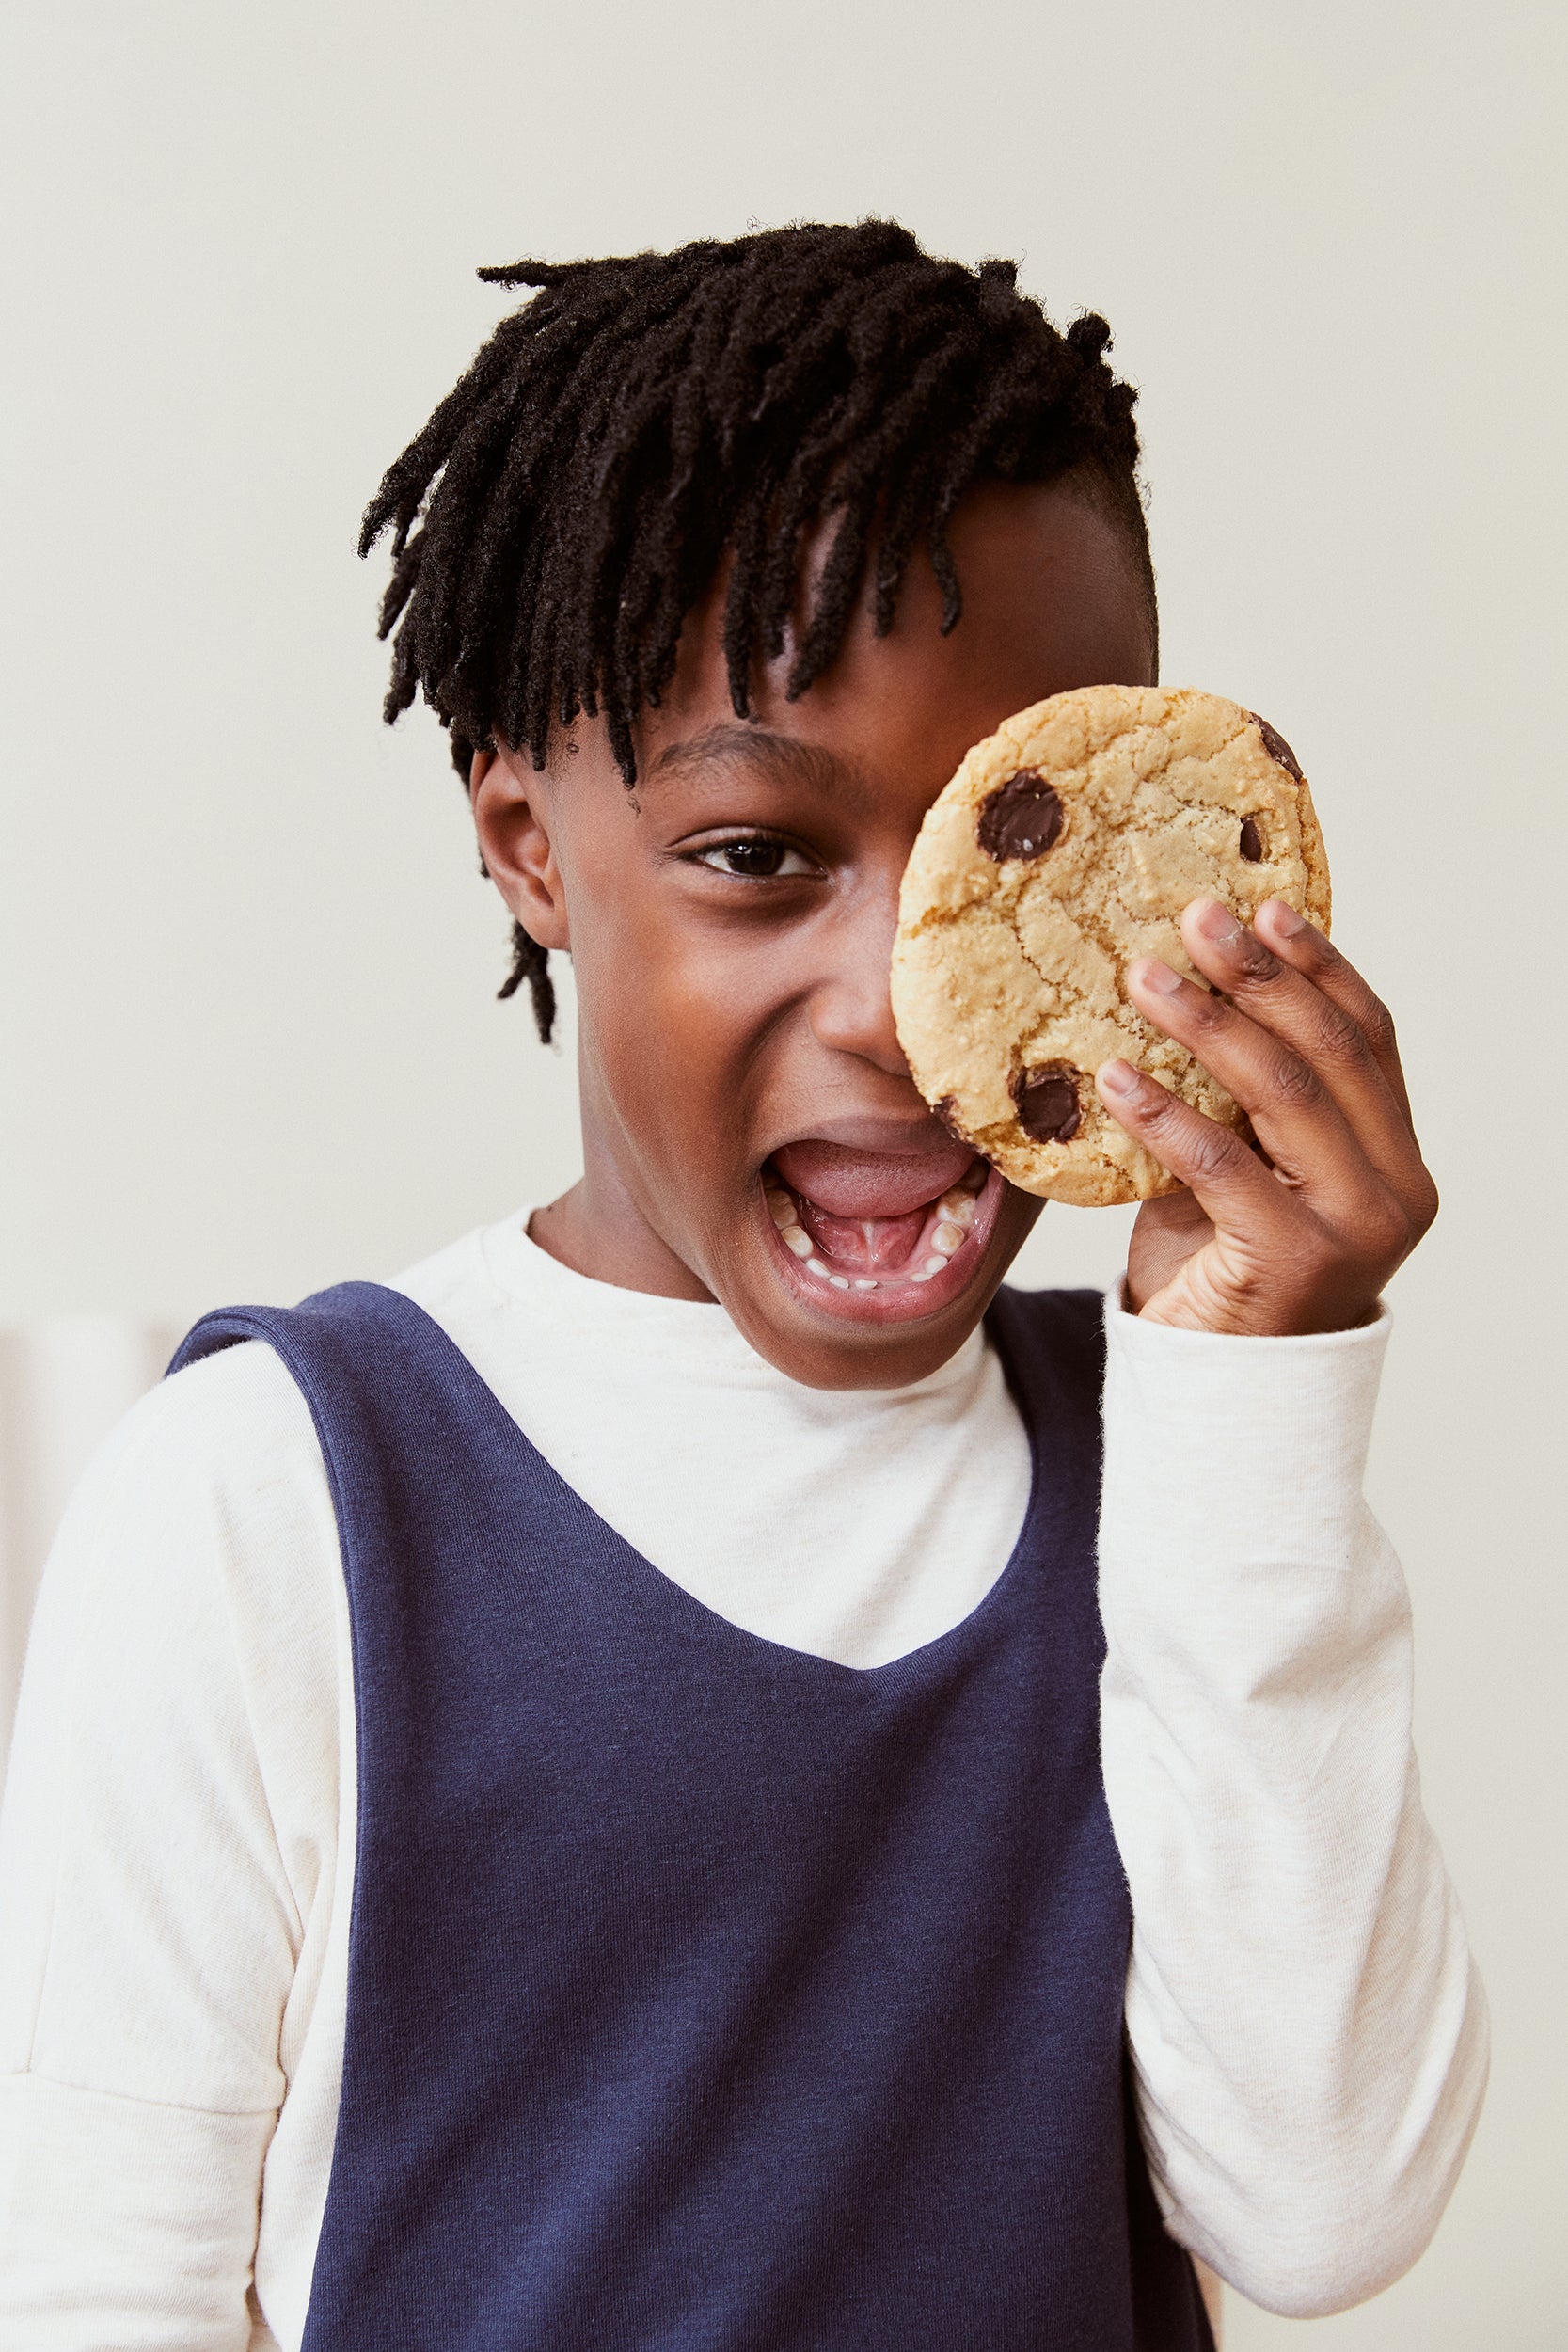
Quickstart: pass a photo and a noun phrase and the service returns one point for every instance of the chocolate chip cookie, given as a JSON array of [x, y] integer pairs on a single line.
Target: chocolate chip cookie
[[1066, 846]]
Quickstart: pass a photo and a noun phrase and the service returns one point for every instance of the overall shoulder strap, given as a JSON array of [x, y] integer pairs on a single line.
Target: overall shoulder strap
[[1053, 1349], [347, 1317], [388, 1392], [356, 1339]]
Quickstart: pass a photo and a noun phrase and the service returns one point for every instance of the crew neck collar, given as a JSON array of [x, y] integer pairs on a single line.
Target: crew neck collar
[[693, 1336]]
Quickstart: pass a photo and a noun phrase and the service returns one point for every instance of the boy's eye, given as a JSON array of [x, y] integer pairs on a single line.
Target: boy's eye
[[752, 860]]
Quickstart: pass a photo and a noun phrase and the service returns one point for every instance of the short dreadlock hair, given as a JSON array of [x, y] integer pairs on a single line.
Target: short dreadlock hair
[[642, 419]]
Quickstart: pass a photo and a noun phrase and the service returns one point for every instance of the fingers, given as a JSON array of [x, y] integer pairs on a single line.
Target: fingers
[[1226, 1178], [1281, 1259], [1304, 1048], [1297, 1120], [1308, 951], [1296, 1059]]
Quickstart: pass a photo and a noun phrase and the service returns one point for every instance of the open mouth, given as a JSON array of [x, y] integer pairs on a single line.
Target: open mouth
[[878, 1238]]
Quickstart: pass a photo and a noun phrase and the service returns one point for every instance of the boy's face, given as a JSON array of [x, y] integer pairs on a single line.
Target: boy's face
[[731, 925]]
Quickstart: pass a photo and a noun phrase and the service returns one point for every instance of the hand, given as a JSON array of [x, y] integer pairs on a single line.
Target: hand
[[1300, 1042]]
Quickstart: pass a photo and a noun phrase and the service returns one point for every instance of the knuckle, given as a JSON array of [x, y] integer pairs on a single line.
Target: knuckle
[[1395, 1231], [1387, 1229], [1213, 1152], [1206, 1011], [1340, 1039], [1424, 1205], [1294, 1085], [1377, 1026], [1160, 1107], [1255, 962]]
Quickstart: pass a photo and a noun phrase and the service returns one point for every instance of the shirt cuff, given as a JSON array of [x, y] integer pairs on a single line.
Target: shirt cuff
[[1238, 1445]]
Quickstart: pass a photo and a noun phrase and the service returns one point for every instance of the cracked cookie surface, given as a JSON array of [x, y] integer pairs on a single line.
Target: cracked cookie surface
[[1066, 846]]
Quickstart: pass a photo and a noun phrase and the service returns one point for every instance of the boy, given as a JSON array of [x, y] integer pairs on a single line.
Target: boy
[[781, 1916]]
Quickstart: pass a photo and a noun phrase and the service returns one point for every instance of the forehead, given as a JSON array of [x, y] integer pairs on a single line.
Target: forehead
[[1053, 598]]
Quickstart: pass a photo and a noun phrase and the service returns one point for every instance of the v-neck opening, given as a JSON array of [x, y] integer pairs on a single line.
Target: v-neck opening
[[514, 1432]]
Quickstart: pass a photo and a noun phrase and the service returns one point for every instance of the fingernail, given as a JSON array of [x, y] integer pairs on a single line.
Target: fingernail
[[1217, 923], [1119, 1078], [1287, 922], [1150, 973]]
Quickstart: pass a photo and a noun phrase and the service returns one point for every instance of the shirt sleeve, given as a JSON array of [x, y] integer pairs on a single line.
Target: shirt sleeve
[[168, 1827], [1309, 2035]]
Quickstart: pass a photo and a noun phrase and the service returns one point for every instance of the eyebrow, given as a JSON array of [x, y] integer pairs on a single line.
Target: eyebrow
[[782, 757]]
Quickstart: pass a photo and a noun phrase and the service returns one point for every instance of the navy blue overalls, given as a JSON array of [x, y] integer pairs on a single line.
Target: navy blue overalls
[[705, 1995]]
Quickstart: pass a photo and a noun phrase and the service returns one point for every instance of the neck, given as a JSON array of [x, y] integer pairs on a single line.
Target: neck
[[598, 1229]]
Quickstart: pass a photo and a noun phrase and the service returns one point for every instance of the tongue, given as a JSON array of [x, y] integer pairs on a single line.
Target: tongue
[[841, 1183], [866, 1209], [871, 1245]]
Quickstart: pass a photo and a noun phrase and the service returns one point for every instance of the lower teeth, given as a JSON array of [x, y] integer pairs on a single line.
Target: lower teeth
[[956, 1209]]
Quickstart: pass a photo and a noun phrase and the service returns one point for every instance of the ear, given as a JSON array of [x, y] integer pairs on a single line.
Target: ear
[[512, 820]]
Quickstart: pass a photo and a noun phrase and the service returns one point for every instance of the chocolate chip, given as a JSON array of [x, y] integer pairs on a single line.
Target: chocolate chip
[[1252, 842], [1277, 749], [946, 1110], [1020, 819], [1047, 1100]]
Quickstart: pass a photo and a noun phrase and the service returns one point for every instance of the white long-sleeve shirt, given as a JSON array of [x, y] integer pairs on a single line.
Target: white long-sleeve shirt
[[177, 1850]]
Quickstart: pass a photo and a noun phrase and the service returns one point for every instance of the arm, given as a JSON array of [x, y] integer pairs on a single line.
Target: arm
[[1307, 2031], [166, 1856], [1308, 2034]]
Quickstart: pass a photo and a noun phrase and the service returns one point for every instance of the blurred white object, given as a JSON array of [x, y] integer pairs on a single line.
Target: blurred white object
[[64, 1383]]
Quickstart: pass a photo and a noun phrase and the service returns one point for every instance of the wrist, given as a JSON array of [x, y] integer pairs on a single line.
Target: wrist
[[1261, 1323]]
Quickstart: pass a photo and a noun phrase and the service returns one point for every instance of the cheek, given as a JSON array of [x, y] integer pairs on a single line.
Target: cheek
[[674, 1025]]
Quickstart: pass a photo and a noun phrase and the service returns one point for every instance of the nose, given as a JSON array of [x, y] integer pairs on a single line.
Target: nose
[[851, 1004]]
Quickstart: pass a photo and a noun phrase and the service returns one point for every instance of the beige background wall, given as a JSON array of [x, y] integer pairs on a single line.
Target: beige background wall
[[249, 1043]]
